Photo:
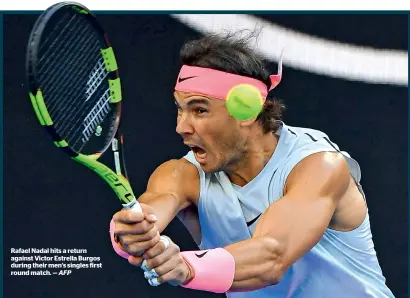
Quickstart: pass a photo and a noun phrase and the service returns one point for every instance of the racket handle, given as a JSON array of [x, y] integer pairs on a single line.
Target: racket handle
[[133, 205]]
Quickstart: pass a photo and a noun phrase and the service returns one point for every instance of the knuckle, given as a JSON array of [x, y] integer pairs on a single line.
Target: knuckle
[[180, 275], [150, 254], [144, 226], [134, 248], [180, 259], [152, 232], [175, 248], [177, 270], [117, 216], [141, 227], [158, 260], [159, 271], [172, 260], [154, 240], [153, 263], [127, 215], [125, 240], [131, 248], [117, 227], [124, 234]]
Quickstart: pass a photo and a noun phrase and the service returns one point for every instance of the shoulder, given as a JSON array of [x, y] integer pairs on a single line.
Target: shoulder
[[178, 169], [320, 174], [178, 176]]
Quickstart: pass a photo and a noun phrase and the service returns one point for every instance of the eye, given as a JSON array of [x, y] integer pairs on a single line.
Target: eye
[[200, 111]]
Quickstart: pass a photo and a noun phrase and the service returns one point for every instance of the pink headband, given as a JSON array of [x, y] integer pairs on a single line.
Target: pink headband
[[217, 83]]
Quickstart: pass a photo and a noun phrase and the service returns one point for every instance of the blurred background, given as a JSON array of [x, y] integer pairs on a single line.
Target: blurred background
[[343, 74]]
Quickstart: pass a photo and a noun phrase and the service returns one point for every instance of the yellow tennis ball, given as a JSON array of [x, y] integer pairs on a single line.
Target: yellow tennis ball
[[244, 102]]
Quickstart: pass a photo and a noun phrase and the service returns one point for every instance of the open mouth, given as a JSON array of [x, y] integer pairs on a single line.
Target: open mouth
[[200, 153]]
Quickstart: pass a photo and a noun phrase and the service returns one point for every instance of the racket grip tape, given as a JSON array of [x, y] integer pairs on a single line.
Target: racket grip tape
[[133, 205]]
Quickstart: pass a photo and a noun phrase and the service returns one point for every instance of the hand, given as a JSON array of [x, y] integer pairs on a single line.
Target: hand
[[161, 264], [136, 231]]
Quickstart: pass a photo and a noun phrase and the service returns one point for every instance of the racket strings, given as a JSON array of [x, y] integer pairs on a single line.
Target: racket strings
[[58, 108], [56, 33], [96, 78], [77, 103], [93, 119], [56, 75], [87, 123], [60, 57], [55, 72]]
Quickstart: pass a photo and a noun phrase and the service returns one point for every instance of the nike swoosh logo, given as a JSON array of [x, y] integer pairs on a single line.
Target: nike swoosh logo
[[202, 254], [184, 79], [253, 220]]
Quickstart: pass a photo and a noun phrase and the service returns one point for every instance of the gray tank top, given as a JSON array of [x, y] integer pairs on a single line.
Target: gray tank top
[[340, 265]]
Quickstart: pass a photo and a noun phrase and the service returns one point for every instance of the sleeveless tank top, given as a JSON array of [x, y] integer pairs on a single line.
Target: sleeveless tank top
[[340, 265]]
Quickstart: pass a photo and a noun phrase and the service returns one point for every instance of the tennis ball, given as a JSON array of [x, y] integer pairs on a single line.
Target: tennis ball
[[244, 102]]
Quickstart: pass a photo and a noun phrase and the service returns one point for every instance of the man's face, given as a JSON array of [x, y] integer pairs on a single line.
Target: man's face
[[205, 126]]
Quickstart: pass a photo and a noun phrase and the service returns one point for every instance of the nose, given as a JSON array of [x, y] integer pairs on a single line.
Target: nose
[[183, 125]]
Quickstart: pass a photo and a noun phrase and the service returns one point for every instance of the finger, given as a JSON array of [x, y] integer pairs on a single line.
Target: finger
[[176, 276], [137, 247], [158, 261], [152, 218], [129, 240], [136, 261], [133, 228], [160, 248], [167, 265], [148, 213], [128, 216]]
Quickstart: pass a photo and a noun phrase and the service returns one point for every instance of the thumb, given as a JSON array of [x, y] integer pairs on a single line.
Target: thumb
[[136, 261], [148, 213]]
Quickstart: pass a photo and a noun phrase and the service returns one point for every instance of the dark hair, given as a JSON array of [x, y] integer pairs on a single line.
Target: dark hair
[[232, 53]]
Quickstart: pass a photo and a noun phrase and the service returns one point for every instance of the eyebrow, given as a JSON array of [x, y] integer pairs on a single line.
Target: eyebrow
[[196, 101]]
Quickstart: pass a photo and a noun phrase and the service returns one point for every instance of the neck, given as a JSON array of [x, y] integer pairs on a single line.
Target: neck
[[257, 154]]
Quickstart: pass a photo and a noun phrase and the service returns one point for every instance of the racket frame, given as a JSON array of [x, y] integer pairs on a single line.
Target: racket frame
[[117, 180]]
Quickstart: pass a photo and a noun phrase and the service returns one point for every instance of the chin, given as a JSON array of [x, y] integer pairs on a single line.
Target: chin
[[208, 168]]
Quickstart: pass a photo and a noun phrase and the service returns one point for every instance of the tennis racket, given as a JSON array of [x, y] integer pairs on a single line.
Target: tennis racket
[[75, 89]]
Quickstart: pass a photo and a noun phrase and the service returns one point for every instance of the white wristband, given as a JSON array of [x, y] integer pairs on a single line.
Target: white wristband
[[165, 240]]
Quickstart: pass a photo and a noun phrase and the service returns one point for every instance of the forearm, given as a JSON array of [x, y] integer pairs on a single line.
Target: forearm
[[244, 266], [258, 263], [166, 207]]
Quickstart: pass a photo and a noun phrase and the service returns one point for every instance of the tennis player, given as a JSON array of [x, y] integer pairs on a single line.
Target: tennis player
[[277, 211]]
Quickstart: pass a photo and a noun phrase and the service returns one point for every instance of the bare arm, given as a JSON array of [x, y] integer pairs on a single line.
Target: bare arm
[[172, 187], [291, 226]]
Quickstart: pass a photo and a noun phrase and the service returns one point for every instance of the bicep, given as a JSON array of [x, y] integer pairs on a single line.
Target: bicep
[[299, 219]]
